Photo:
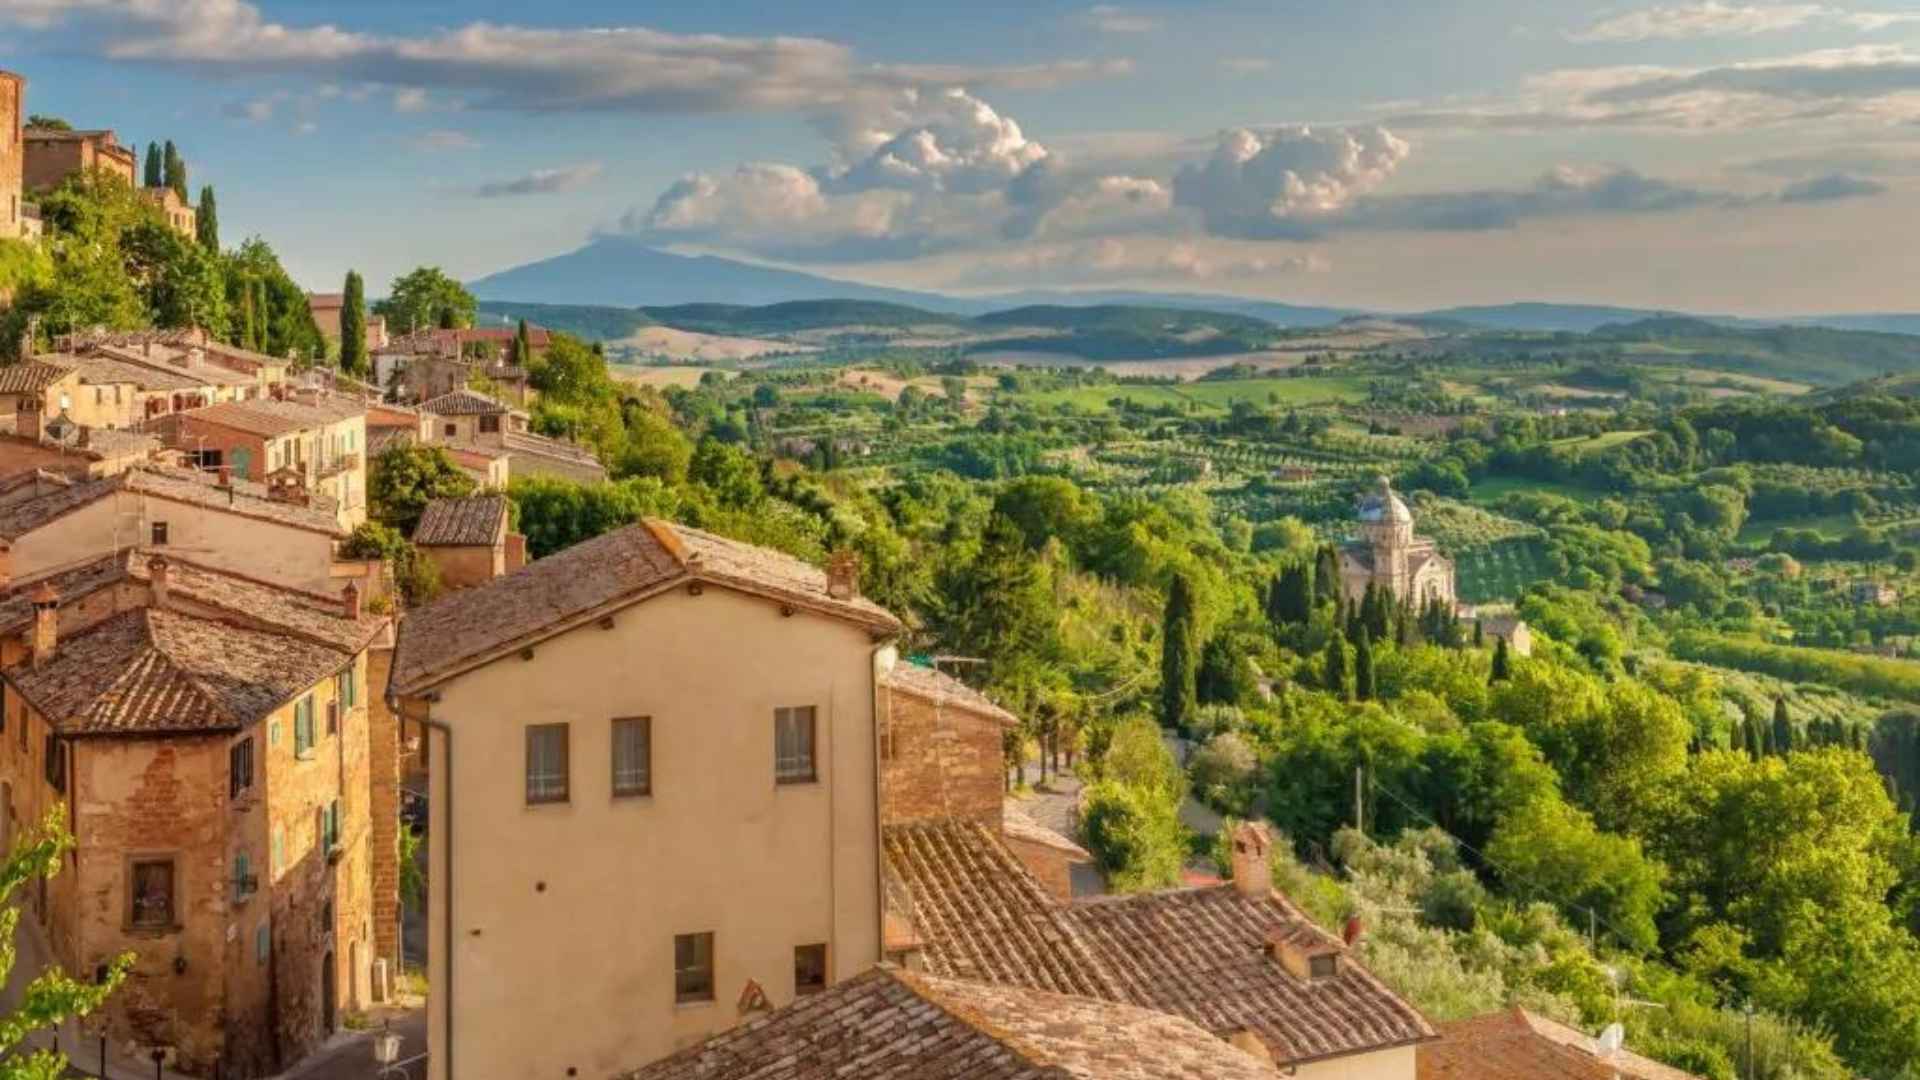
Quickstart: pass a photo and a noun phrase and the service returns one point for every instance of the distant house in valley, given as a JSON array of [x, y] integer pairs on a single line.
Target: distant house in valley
[[1390, 557], [211, 737], [469, 420], [1875, 593]]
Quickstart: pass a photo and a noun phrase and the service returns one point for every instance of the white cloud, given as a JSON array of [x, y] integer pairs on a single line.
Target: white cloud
[[542, 182], [442, 139], [410, 99], [490, 65], [1274, 183], [1113, 19], [1715, 19]]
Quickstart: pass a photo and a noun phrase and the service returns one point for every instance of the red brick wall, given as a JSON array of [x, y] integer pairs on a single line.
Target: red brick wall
[[942, 762]]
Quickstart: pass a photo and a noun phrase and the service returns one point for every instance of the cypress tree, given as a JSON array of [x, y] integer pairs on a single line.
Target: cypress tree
[[1479, 634], [1326, 574], [522, 345], [153, 176], [207, 223], [1334, 670], [174, 168], [1782, 726], [1179, 654], [1363, 667], [1501, 670], [353, 325]]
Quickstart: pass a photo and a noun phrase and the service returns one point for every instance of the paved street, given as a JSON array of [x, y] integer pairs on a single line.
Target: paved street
[[349, 1055]]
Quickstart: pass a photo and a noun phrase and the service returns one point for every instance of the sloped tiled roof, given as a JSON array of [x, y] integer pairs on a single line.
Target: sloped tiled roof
[[270, 418], [1517, 1045], [936, 686], [1017, 824], [464, 403], [520, 442], [1195, 953], [983, 917], [888, 1024], [1200, 953], [98, 369], [475, 521], [151, 670], [597, 576], [174, 359], [31, 377], [243, 498]]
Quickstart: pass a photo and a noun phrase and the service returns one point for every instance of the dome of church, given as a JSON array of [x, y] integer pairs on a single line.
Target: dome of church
[[1383, 507]]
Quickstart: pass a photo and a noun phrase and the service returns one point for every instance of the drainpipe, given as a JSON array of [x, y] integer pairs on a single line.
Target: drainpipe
[[445, 843]]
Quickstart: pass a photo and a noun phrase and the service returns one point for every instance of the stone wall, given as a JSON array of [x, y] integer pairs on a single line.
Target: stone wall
[[465, 567], [383, 735], [941, 761]]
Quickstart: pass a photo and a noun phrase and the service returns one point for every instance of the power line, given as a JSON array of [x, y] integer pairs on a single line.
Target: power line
[[1593, 914]]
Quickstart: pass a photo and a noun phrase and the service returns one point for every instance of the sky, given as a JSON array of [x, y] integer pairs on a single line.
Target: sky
[[1717, 156]]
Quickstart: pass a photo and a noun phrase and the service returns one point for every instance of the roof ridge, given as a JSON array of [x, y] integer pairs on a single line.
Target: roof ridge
[[978, 1021]]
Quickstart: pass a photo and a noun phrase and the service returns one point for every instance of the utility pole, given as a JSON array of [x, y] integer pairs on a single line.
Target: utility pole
[[1359, 805]]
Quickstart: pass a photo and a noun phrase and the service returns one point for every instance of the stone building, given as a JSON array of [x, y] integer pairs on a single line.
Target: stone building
[[312, 448], [1390, 557], [180, 213], [472, 421], [53, 155], [326, 308], [468, 540], [13, 155], [208, 735], [702, 821]]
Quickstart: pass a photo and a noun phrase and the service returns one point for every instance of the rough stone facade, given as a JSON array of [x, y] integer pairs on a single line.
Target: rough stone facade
[[52, 156], [383, 768], [939, 761], [13, 153]]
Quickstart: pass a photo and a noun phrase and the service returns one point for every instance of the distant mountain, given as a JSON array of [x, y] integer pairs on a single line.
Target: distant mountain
[[616, 272], [1544, 318], [795, 316], [1819, 355]]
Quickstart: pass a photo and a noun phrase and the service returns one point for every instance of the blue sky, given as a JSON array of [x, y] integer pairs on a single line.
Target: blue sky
[[1759, 158]]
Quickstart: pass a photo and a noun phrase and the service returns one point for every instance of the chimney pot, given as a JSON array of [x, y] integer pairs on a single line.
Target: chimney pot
[[843, 575], [1252, 862], [157, 578], [350, 601], [46, 623]]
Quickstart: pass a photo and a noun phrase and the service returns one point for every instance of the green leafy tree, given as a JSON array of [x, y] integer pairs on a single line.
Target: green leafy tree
[[175, 170], [353, 325], [1179, 653], [1552, 851], [999, 605], [416, 576], [426, 298], [52, 997], [406, 477], [555, 514], [1225, 677], [206, 224], [50, 123]]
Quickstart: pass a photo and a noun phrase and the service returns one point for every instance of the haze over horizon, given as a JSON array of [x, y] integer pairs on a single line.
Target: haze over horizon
[[1747, 159]]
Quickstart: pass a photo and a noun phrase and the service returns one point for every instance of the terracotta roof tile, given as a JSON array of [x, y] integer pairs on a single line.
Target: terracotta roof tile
[[894, 1025], [609, 571], [940, 688], [243, 498], [475, 521], [519, 442], [464, 403], [98, 369], [32, 376], [1196, 953], [1017, 824], [1517, 1045], [270, 418]]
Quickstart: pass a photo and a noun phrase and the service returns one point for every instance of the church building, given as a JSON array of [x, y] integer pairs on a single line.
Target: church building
[[1388, 556]]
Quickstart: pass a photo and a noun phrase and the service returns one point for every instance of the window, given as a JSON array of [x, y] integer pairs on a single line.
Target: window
[[240, 767], [333, 716], [327, 825], [793, 745], [1323, 967], [150, 904], [56, 762], [303, 727], [888, 748], [490, 425], [262, 944], [452, 430], [546, 763], [349, 688], [809, 969], [244, 883], [159, 534], [633, 756], [692, 968]]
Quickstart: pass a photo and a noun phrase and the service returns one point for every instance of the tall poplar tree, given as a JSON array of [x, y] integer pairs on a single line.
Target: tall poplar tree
[[353, 325], [1363, 666], [1179, 654], [1502, 666], [1782, 727], [1333, 672], [154, 176], [207, 223], [523, 346], [175, 168]]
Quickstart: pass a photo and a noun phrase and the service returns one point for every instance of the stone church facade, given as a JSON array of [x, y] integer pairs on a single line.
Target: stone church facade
[[1389, 556]]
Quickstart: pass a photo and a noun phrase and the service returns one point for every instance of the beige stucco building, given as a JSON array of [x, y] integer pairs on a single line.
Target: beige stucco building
[[312, 447], [480, 426], [468, 540], [1391, 558], [653, 793]]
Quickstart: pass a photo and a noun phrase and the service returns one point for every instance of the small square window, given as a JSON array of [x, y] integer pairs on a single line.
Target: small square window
[[150, 903], [452, 430], [692, 968], [244, 883], [546, 763], [489, 425], [793, 731], [1325, 966], [303, 727], [809, 969], [159, 534], [633, 756], [240, 767]]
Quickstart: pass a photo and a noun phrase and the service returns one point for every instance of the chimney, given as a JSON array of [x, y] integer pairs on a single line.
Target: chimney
[[350, 602], [157, 580], [1252, 862], [46, 623], [843, 575]]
